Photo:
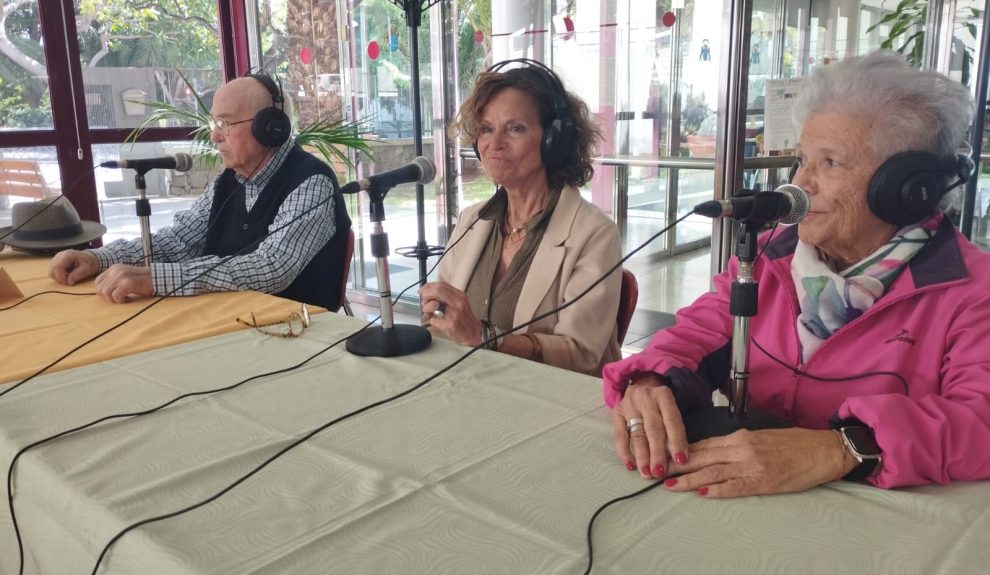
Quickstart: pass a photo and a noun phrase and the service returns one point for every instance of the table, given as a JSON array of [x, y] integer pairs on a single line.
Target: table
[[494, 467], [41, 330]]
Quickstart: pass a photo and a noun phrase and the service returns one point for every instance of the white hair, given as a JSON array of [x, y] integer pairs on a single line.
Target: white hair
[[916, 110]]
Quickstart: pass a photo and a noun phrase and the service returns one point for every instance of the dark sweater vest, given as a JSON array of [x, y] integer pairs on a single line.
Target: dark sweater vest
[[234, 230]]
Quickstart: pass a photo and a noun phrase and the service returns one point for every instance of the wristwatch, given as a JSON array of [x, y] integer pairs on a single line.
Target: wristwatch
[[860, 442]]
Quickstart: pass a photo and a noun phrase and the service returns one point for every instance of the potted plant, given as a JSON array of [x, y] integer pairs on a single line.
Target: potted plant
[[907, 34]]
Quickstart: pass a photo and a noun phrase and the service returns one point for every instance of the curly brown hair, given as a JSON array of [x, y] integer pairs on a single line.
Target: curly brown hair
[[577, 168]]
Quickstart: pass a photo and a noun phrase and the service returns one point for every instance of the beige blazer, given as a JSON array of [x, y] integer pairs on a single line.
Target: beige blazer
[[579, 246]]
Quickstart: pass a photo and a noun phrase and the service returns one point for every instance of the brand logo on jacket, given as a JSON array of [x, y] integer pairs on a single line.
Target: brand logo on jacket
[[902, 336]]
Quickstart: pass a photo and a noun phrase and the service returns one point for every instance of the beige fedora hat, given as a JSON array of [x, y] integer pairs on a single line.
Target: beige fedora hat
[[48, 225]]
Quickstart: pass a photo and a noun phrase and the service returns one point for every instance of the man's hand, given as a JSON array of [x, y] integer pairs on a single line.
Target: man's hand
[[70, 267], [120, 282]]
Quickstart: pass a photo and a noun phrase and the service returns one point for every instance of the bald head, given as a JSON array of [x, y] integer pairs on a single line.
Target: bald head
[[238, 102], [243, 97]]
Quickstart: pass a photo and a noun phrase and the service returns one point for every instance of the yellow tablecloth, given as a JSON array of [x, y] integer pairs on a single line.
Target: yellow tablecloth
[[38, 332]]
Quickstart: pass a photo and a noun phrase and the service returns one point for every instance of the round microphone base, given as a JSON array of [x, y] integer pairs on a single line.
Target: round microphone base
[[718, 421], [401, 339]]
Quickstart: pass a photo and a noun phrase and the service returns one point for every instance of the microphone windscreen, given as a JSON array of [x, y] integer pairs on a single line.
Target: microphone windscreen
[[183, 162], [800, 204], [428, 169]]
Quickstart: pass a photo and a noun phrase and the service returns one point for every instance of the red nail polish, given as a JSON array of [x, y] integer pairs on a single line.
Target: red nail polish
[[630, 465], [646, 470], [702, 491], [658, 470], [670, 482], [680, 457]]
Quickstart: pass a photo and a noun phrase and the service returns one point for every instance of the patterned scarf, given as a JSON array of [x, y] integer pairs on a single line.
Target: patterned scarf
[[830, 300]]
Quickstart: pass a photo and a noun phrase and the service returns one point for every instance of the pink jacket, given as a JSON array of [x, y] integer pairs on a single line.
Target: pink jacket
[[932, 327]]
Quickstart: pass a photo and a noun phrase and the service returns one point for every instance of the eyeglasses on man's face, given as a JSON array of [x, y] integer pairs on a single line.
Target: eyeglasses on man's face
[[221, 126]]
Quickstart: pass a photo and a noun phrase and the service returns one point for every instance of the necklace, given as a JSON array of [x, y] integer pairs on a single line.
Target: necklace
[[517, 233], [513, 234]]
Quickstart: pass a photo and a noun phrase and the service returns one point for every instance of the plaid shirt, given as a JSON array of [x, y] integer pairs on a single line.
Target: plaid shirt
[[177, 251]]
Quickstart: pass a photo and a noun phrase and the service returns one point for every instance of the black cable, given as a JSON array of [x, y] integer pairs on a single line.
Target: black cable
[[791, 368], [13, 462], [384, 401], [153, 255], [222, 261], [51, 202], [30, 297], [797, 371], [591, 523], [10, 470], [33, 216]]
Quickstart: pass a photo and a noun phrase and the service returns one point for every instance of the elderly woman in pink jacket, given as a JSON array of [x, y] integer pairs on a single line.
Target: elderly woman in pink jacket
[[873, 332]]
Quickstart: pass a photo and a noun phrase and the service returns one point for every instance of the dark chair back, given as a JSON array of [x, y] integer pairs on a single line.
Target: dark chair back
[[628, 296], [348, 256]]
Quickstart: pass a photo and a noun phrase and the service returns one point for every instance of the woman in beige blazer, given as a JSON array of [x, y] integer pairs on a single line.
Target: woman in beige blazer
[[536, 244]]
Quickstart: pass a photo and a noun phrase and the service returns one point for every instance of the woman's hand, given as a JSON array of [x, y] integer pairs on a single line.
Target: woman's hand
[[458, 322], [761, 462], [649, 446]]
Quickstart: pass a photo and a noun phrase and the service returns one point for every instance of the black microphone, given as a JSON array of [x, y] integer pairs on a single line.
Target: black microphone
[[788, 204], [179, 162], [421, 171]]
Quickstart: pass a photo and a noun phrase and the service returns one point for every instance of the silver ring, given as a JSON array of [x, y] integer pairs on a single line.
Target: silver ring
[[634, 424], [441, 310]]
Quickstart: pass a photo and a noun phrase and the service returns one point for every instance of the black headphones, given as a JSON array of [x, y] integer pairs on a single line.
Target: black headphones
[[907, 187], [271, 127], [560, 131]]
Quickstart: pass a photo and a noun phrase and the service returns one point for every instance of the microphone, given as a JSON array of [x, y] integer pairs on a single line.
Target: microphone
[[420, 170], [788, 204], [180, 162]]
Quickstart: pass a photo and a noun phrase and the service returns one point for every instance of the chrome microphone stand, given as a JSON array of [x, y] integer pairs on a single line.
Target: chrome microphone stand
[[143, 209], [743, 305], [387, 339]]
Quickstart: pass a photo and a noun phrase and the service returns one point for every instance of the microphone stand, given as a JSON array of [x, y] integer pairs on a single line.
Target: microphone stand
[[743, 304], [143, 209], [421, 251], [387, 339]]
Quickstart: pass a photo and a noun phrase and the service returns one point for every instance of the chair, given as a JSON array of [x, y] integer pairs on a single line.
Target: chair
[[23, 178], [348, 256], [628, 296]]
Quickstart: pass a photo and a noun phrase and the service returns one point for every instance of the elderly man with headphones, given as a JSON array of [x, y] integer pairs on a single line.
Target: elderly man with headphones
[[272, 221], [872, 332]]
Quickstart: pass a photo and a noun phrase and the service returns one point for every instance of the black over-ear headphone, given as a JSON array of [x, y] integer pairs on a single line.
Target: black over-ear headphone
[[560, 131], [271, 126], [907, 187]]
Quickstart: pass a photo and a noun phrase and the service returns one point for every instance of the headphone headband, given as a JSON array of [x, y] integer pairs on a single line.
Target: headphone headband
[[275, 90], [552, 80]]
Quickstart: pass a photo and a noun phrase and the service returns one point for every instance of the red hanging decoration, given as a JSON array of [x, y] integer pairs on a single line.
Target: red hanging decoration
[[374, 50], [568, 27], [668, 19], [305, 56], [479, 36]]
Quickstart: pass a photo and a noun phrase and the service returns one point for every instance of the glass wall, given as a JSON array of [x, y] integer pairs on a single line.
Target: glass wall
[[25, 105], [148, 68], [650, 70]]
